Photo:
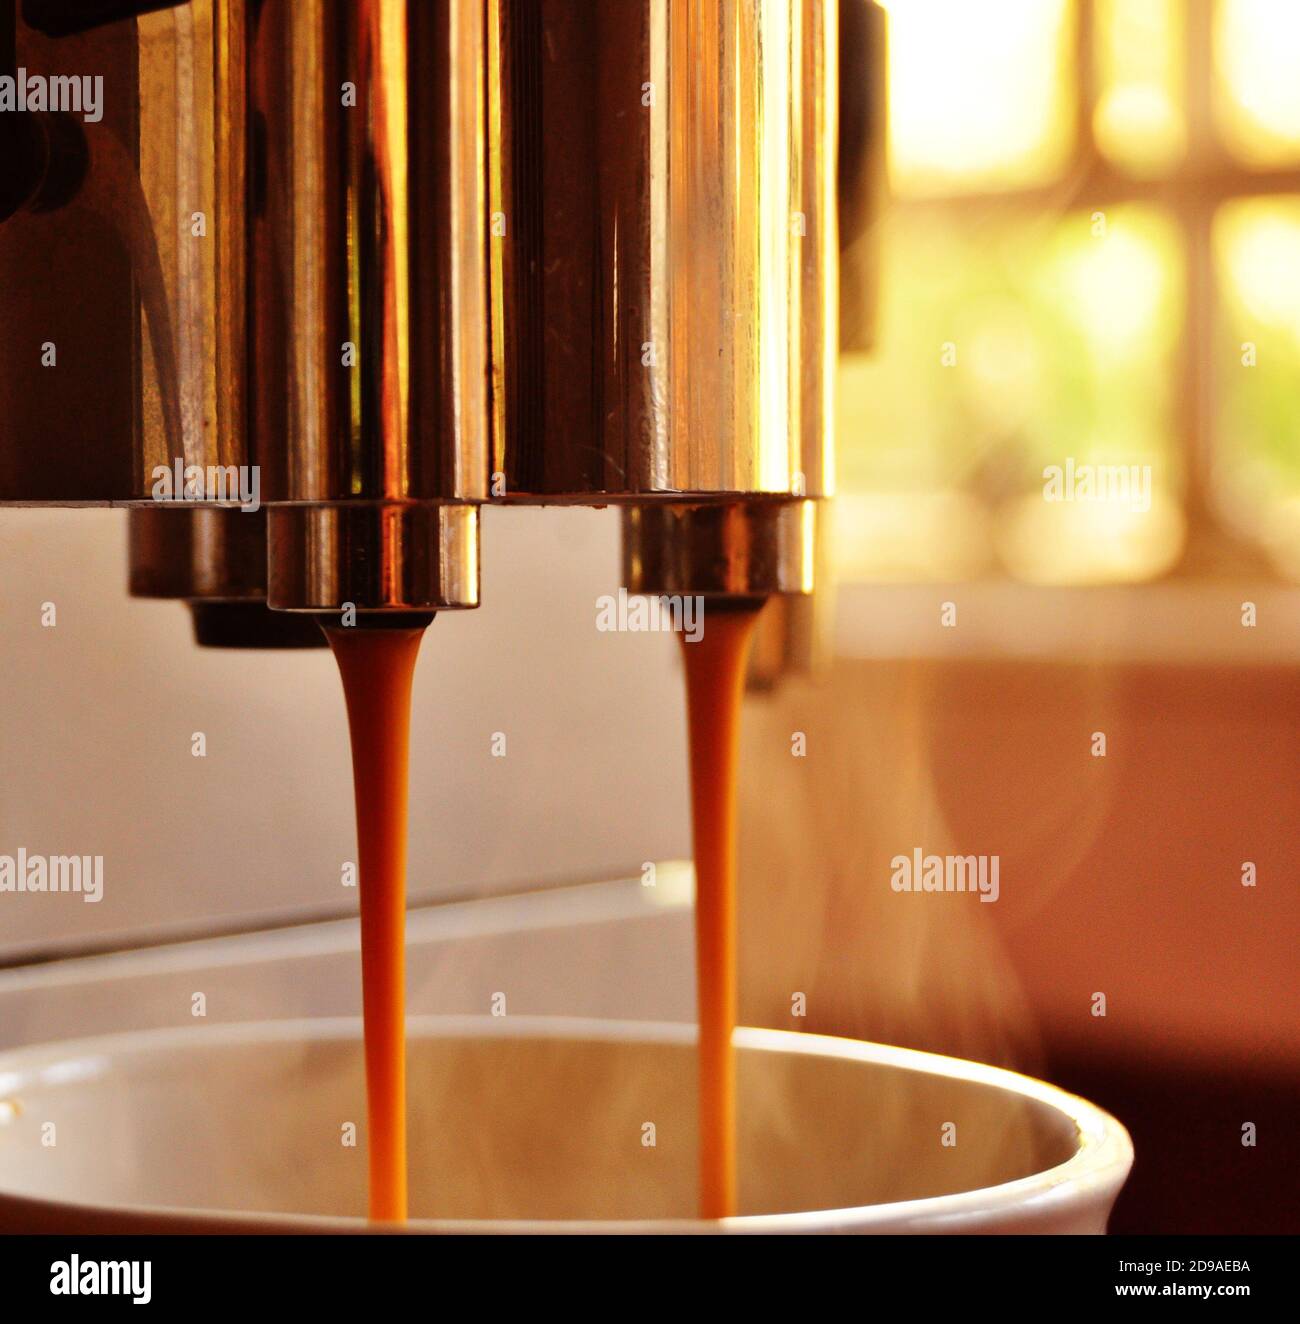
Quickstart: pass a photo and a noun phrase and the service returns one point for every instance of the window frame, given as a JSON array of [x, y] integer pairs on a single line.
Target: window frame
[[1190, 194]]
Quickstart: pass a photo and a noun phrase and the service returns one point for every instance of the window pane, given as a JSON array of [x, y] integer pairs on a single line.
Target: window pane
[[1257, 91], [1008, 348], [981, 95], [1257, 475], [1139, 121]]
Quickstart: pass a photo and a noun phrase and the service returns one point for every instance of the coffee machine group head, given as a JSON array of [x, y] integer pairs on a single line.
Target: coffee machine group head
[[664, 276], [315, 280]]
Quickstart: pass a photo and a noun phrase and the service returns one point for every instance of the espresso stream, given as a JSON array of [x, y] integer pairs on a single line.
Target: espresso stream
[[715, 685], [377, 666]]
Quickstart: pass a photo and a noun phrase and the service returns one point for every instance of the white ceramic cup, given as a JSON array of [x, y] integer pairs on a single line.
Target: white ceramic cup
[[520, 1124]]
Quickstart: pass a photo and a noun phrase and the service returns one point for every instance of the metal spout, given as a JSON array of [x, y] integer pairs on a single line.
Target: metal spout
[[369, 331], [267, 258], [213, 559]]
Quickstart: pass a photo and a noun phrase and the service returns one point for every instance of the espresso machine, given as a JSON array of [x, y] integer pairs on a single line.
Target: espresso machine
[[400, 259]]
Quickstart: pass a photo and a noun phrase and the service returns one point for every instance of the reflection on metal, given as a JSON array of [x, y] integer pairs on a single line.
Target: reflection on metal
[[411, 256]]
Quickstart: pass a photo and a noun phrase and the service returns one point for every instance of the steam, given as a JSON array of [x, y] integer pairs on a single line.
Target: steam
[[826, 945]]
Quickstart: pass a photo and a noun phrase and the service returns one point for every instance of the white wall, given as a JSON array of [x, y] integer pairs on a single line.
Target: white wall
[[96, 716]]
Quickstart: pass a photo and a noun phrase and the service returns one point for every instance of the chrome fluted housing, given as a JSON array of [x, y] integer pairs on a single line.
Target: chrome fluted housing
[[663, 248]]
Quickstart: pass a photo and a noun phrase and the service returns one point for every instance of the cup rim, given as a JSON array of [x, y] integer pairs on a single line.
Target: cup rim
[[1094, 1172]]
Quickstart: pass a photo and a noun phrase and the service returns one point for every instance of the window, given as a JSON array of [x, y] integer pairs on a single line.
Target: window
[[1088, 363]]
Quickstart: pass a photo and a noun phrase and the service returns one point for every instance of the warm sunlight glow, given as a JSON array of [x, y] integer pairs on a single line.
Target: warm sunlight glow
[[892, 537], [1139, 121], [1004, 348], [1281, 535], [1257, 468], [1038, 312], [1258, 245], [1089, 542], [1257, 44], [980, 95], [1113, 286]]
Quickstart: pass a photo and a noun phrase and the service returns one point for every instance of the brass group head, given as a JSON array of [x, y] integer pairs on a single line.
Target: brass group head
[[382, 263]]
